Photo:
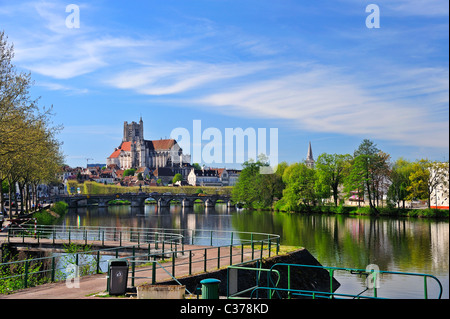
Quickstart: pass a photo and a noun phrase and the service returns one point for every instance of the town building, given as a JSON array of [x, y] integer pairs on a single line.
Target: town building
[[135, 152], [213, 177], [439, 198]]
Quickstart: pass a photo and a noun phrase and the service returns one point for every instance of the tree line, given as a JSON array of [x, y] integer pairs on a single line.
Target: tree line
[[367, 174], [29, 151]]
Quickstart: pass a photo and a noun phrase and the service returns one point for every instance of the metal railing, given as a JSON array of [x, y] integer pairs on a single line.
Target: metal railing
[[136, 234], [90, 234], [272, 288], [152, 244], [233, 279]]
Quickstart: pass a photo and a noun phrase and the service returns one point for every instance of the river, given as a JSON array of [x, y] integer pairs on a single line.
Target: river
[[392, 244]]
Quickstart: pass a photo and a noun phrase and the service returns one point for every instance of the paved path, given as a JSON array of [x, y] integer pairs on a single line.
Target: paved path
[[94, 284]]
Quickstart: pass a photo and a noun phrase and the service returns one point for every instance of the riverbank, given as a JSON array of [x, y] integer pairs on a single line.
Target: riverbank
[[52, 215], [366, 211]]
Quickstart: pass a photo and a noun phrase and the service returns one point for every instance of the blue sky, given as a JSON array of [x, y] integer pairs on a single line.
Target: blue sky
[[312, 69]]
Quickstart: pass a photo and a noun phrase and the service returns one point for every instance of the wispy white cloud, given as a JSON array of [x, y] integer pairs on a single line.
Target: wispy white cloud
[[171, 78], [61, 87], [321, 99], [228, 70]]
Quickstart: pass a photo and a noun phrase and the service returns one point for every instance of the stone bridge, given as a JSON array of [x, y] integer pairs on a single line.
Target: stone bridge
[[138, 199]]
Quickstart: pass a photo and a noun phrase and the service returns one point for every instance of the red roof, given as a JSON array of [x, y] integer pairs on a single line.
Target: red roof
[[163, 144], [157, 145], [125, 146], [115, 154]]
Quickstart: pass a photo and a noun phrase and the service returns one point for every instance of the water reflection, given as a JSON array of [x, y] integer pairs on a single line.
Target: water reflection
[[394, 244]]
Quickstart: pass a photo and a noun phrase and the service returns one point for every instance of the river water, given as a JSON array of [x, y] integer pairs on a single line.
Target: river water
[[392, 244]]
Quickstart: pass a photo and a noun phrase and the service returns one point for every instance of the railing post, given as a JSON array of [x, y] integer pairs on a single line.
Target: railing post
[[53, 269], [218, 257], [331, 280], [154, 270], [253, 251], [190, 262], [425, 286], [173, 264], [289, 281], [25, 278], [204, 265], [98, 261], [133, 266]]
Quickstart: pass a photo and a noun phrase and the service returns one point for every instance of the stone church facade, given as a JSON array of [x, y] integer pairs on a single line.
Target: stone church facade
[[135, 151]]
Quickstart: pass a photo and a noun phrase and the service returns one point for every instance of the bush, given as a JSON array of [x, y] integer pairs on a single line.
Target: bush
[[60, 208], [45, 217]]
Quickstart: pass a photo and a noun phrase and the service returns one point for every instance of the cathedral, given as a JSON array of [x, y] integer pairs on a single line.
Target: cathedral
[[135, 151]]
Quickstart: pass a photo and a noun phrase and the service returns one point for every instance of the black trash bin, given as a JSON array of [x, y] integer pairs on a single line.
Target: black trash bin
[[118, 276]]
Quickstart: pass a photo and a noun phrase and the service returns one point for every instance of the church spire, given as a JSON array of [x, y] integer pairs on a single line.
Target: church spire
[[309, 157]]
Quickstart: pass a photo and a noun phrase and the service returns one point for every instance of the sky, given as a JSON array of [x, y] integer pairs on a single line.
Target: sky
[[312, 69]]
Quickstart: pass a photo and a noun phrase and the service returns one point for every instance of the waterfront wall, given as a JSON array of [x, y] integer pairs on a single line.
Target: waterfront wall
[[315, 279]]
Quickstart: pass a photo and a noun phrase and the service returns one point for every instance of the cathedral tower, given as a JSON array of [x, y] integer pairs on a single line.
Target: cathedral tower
[[133, 132]]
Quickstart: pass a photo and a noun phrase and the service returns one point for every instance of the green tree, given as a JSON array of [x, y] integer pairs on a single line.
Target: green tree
[[331, 171], [426, 176], [129, 172], [300, 187], [177, 178], [399, 177], [256, 190], [29, 151], [369, 170]]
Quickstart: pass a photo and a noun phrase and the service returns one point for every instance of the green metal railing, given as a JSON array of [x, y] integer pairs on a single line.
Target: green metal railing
[[271, 287], [234, 293], [90, 234], [134, 234], [152, 244], [375, 274]]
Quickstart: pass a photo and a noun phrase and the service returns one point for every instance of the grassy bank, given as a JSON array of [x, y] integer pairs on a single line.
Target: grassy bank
[[381, 211], [52, 215]]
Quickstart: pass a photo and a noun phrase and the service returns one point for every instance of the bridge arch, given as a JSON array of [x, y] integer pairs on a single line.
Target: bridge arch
[[138, 199]]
